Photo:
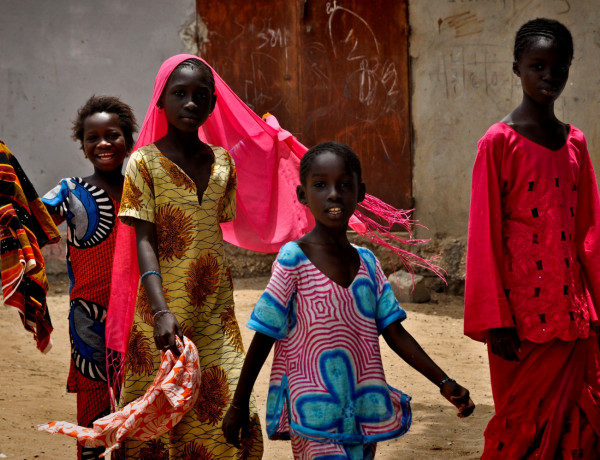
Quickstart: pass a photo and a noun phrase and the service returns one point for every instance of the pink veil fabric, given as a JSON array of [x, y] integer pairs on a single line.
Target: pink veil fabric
[[267, 160], [268, 214]]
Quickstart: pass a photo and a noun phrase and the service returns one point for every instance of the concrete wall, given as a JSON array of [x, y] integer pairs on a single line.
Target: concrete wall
[[55, 54], [461, 58]]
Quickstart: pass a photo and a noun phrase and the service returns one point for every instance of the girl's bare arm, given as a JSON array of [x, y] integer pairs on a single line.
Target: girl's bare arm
[[405, 346], [237, 417], [166, 326]]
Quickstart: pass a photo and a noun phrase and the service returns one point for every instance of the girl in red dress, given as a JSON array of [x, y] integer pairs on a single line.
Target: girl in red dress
[[533, 275]]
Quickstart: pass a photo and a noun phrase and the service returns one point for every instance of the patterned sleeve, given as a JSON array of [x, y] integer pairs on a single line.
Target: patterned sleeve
[[272, 313], [387, 309], [227, 209], [137, 200], [56, 201]]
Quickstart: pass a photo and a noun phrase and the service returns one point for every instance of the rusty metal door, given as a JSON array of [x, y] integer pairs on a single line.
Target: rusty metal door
[[328, 70]]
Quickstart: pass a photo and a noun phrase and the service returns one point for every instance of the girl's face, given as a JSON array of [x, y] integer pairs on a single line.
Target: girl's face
[[543, 70], [331, 190], [103, 141], [188, 99]]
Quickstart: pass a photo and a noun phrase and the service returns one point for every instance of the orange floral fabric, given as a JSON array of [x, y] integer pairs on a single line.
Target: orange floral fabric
[[173, 393]]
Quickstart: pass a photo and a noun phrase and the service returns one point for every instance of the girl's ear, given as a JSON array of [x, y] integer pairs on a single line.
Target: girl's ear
[[214, 102], [516, 70], [362, 190], [301, 194]]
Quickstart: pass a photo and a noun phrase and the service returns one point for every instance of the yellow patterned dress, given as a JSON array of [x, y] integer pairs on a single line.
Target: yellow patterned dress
[[199, 291]]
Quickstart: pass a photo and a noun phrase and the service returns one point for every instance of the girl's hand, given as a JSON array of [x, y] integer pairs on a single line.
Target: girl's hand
[[505, 342], [236, 419], [166, 328], [459, 397]]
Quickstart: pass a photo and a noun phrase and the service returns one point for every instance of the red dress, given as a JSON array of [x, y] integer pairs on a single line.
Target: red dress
[[91, 216], [534, 229]]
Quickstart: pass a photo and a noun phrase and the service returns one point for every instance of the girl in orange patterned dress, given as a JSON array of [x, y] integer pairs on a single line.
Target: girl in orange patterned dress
[[177, 191]]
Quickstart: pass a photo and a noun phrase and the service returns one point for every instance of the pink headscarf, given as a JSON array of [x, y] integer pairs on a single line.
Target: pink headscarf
[[268, 214]]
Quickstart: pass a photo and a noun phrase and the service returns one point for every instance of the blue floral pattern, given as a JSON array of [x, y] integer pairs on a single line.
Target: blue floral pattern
[[345, 405]]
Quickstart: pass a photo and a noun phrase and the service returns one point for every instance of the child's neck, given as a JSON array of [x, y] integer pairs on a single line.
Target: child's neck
[[538, 123], [532, 112], [332, 254], [181, 143], [324, 236], [110, 181]]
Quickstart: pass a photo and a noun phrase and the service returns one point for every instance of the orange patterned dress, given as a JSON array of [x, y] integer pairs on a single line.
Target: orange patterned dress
[[198, 288]]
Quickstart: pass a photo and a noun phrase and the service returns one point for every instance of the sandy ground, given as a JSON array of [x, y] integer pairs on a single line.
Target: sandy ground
[[32, 385]]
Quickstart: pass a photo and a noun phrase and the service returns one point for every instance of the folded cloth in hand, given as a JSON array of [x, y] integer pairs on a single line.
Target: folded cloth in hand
[[173, 392]]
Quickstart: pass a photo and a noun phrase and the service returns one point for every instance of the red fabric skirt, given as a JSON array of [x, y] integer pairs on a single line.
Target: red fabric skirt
[[548, 404]]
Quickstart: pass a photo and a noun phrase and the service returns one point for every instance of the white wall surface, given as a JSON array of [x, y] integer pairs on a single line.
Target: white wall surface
[[461, 61], [54, 54]]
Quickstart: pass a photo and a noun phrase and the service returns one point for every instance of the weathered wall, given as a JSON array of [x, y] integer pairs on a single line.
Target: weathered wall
[[461, 58], [55, 54]]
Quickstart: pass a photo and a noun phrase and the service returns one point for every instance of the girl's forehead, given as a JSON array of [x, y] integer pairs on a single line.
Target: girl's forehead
[[544, 45], [98, 119], [328, 160], [189, 74]]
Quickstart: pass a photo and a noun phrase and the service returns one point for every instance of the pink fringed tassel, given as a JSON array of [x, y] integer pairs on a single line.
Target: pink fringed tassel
[[115, 365], [380, 232]]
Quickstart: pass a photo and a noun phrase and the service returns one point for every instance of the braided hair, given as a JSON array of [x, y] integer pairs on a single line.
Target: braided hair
[[532, 31], [198, 64], [349, 156]]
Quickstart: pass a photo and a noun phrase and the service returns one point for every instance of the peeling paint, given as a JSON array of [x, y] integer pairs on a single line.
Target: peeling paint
[[194, 35]]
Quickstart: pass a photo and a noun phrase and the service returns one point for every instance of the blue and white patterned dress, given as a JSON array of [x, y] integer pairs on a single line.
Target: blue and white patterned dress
[[327, 381]]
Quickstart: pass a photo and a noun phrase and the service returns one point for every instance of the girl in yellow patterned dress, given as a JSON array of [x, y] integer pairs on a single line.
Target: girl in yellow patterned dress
[[177, 191]]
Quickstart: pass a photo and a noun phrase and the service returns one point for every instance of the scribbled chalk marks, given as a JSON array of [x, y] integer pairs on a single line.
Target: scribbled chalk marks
[[474, 68]]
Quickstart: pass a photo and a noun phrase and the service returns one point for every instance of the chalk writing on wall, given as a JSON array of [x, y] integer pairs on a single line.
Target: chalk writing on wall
[[466, 69]]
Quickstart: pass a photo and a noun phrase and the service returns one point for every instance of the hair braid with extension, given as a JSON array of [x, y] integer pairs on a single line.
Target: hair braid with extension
[[533, 30]]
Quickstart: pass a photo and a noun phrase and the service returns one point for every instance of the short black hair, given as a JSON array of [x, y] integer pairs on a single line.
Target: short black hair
[[531, 31], [197, 64], [349, 156], [108, 104]]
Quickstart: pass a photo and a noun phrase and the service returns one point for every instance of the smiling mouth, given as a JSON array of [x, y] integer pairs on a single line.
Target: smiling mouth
[[105, 156], [334, 211]]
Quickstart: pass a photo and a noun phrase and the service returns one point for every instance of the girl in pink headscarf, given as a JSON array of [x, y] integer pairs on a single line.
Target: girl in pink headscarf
[[178, 190], [180, 197]]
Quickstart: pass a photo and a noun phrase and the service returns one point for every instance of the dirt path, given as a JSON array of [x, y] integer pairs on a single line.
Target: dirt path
[[32, 385]]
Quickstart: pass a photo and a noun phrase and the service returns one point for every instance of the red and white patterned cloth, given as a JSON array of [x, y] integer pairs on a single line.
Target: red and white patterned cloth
[[173, 392]]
